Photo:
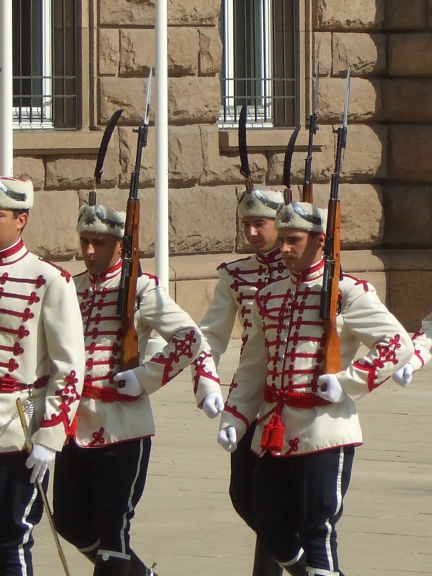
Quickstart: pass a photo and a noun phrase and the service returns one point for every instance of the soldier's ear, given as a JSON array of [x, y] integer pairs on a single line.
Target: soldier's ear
[[320, 239], [22, 220]]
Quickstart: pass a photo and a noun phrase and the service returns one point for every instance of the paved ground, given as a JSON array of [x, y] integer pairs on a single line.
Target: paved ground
[[185, 520]]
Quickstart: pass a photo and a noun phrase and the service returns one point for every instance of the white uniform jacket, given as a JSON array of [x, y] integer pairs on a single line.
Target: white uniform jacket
[[105, 415], [422, 344], [42, 349], [233, 296], [283, 358]]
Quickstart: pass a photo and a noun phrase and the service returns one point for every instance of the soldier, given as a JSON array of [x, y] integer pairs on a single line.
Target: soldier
[[100, 475], [42, 364], [308, 425], [422, 341], [233, 296]]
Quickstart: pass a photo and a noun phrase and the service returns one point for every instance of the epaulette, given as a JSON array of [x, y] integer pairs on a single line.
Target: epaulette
[[62, 271]]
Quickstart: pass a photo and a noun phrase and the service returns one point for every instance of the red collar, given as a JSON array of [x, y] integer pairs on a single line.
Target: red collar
[[107, 275], [13, 253], [312, 273], [11, 250], [269, 257]]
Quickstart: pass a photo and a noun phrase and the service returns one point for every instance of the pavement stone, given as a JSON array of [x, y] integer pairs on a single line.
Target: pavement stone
[[185, 520]]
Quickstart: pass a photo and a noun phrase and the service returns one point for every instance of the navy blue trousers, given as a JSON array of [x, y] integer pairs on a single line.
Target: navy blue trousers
[[21, 509], [298, 503], [242, 480], [96, 491]]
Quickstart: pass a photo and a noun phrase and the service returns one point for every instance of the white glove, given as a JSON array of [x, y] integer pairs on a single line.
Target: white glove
[[329, 388], [403, 376], [39, 460], [213, 404], [227, 438], [128, 383]]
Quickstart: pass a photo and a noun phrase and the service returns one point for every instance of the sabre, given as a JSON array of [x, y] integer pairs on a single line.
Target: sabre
[[287, 166], [244, 161], [28, 446], [102, 153]]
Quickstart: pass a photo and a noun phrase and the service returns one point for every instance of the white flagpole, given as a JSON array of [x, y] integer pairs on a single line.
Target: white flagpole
[[6, 123], [156, 342], [161, 126]]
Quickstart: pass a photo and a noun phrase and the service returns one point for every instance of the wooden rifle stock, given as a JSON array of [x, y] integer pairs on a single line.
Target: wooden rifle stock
[[330, 291], [307, 193], [129, 355]]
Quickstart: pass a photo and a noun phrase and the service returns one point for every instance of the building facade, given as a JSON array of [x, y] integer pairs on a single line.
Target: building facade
[[93, 57]]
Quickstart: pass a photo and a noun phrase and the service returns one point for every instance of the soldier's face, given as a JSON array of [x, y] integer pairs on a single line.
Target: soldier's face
[[11, 227], [260, 232], [300, 249], [100, 251]]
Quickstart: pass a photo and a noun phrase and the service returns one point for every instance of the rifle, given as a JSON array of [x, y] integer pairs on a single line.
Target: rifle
[[126, 303], [332, 267], [101, 154], [307, 195]]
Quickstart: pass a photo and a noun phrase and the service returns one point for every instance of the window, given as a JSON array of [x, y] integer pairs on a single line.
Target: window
[[45, 64], [260, 62]]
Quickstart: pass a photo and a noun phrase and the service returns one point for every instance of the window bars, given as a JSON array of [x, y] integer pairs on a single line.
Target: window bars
[[260, 62], [45, 64]]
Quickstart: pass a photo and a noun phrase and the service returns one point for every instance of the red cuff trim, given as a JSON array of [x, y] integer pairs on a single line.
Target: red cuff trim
[[233, 410]]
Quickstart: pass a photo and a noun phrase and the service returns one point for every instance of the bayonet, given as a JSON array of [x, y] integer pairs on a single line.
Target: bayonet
[[341, 140], [146, 119], [347, 97], [142, 132]]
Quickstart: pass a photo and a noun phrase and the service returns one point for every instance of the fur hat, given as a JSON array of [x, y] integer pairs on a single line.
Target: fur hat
[[15, 194], [263, 203], [99, 219], [301, 216]]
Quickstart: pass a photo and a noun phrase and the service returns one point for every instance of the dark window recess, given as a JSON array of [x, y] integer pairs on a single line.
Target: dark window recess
[[260, 62], [45, 81]]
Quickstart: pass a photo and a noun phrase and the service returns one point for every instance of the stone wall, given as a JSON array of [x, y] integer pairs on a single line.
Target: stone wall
[[386, 174], [389, 48]]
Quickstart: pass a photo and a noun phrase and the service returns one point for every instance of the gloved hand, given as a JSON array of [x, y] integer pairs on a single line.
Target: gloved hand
[[329, 388], [39, 460], [227, 438], [128, 383], [403, 376], [213, 404]]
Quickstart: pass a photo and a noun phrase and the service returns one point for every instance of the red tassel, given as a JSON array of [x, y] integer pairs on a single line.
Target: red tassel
[[273, 434], [73, 427], [265, 437]]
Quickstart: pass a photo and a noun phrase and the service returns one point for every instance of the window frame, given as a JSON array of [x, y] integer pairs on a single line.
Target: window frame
[[57, 110], [263, 115], [229, 64]]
